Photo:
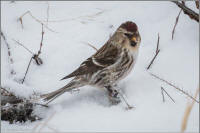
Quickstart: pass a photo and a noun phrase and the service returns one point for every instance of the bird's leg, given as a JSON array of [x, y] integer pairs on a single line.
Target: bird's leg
[[118, 93], [113, 95]]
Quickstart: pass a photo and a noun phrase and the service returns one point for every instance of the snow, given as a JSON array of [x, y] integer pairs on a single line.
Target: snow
[[76, 23]]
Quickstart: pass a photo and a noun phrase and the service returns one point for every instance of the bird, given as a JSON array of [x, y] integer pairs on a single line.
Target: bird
[[109, 65]]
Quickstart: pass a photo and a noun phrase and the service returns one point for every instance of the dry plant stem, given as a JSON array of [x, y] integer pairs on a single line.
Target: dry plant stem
[[23, 46], [162, 95], [27, 70], [46, 122], [6, 91], [37, 20], [20, 19], [193, 15], [39, 52], [47, 13], [71, 19], [187, 112], [36, 56], [157, 51], [51, 128], [91, 46], [167, 94], [177, 18], [175, 87], [9, 53], [197, 4], [125, 101]]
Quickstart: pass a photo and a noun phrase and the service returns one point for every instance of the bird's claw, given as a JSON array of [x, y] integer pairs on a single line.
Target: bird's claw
[[115, 100], [114, 97]]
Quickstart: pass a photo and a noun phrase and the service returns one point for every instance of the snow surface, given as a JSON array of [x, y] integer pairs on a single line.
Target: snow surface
[[77, 23]]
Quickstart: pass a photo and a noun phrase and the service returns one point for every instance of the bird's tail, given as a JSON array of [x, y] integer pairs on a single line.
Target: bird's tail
[[53, 95]]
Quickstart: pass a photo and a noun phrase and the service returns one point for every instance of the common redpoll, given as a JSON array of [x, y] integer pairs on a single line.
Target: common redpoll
[[111, 63]]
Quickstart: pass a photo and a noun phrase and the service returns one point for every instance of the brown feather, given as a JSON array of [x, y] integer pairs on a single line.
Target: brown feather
[[104, 57]]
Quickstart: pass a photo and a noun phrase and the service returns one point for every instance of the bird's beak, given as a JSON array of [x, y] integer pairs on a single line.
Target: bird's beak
[[134, 39]]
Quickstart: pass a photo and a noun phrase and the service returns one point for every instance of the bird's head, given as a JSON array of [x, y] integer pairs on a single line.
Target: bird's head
[[130, 37]]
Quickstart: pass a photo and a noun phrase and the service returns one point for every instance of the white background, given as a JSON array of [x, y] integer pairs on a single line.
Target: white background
[[64, 50]]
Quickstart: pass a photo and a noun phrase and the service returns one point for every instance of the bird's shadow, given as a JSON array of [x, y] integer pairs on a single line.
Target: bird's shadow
[[99, 97]]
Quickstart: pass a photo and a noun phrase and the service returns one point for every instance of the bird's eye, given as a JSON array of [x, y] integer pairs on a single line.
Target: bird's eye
[[133, 43], [128, 35]]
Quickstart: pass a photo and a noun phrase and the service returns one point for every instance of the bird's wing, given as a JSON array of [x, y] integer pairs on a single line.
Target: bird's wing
[[104, 57]]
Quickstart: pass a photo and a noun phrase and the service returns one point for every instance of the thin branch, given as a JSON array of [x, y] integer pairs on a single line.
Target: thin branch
[[91, 45], [5, 92], [36, 56], [51, 128], [27, 70], [47, 13], [197, 4], [23, 46], [89, 17], [177, 18], [12, 71], [157, 48], [174, 87], [39, 52], [187, 112], [167, 94], [193, 15], [125, 101], [21, 21], [37, 20], [162, 94], [157, 51], [46, 122]]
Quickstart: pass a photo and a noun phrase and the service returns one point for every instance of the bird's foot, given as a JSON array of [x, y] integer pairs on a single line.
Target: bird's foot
[[114, 97], [114, 100]]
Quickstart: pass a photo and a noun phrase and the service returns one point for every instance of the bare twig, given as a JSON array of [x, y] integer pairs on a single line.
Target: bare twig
[[187, 112], [47, 13], [39, 52], [167, 94], [162, 95], [27, 70], [21, 21], [53, 129], [5, 92], [46, 122], [12, 71], [36, 56], [88, 17], [90, 45], [23, 46], [157, 51], [175, 87], [193, 15], [177, 18], [37, 20], [125, 101], [197, 4]]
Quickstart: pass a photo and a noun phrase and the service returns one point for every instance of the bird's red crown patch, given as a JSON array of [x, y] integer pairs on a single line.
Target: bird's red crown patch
[[129, 26]]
